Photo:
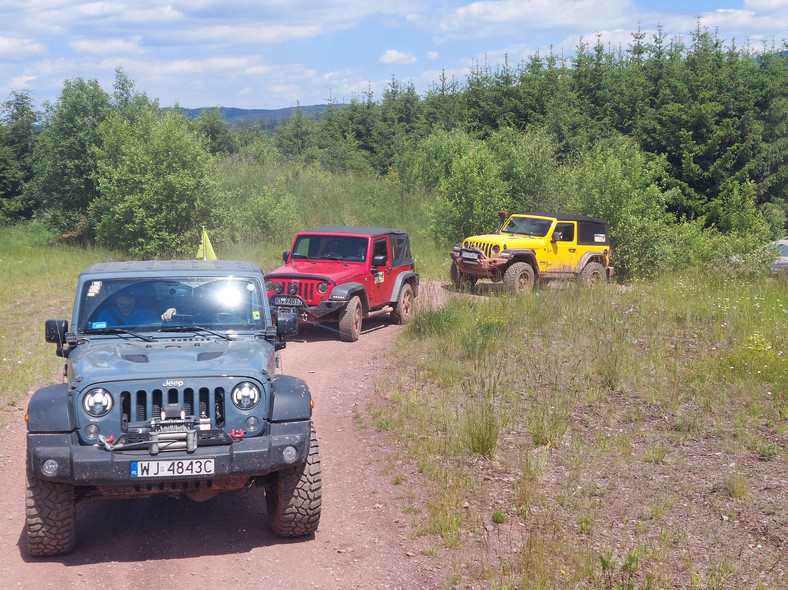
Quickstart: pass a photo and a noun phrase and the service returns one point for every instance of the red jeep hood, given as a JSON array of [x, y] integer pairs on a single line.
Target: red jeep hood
[[331, 269]]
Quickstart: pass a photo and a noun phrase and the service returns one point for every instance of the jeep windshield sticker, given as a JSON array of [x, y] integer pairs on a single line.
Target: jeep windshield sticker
[[98, 325], [256, 315], [94, 289], [599, 238]]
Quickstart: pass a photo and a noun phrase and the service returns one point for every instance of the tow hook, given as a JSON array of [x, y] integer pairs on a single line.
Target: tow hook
[[237, 433]]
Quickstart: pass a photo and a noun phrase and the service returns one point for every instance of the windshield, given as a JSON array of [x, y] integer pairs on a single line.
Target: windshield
[[531, 226], [216, 303], [322, 247]]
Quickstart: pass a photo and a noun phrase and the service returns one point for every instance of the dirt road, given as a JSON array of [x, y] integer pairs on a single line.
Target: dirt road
[[362, 542]]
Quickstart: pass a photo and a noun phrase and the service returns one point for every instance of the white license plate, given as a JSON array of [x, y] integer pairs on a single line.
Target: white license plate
[[287, 301], [174, 468], [469, 255]]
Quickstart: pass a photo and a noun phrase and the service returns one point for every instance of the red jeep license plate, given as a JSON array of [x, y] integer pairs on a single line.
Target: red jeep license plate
[[288, 301]]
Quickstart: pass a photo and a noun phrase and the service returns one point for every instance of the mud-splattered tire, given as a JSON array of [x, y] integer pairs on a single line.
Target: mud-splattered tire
[[403, 311], [460, 280], [519, 278], [350, 321], [51, 522], [593, 274], [295, 496]]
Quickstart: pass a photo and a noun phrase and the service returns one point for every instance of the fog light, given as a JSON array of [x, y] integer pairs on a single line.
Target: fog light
[[289, 454], [92, 431], [251, 424], [49, 468]]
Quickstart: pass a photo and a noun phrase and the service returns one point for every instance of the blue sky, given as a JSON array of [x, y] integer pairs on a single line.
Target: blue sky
[[278, 53]]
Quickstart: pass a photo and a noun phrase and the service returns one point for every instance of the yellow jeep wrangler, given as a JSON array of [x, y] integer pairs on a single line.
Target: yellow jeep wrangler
[[535, 247]]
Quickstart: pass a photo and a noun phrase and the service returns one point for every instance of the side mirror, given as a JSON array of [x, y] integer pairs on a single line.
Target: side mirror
[[55, 332], [379, 260], [557, 235], [285, 254]]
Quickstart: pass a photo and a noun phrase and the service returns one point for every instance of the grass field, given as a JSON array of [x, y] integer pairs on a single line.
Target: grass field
[[631, 436], [624, 437]]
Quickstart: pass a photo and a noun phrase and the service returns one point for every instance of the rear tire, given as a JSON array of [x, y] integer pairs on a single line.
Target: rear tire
[[295, 496], [51, 521], [403, 311], [593, 274], [350, 320], [519, 278]]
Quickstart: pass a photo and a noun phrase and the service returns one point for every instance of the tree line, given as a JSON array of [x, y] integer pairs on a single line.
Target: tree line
[[680, 145]]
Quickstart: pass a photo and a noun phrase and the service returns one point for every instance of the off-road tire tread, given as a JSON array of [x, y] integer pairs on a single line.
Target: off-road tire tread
[[460, 280], [589, 270], [348, 330], [511, 277], [295, 496], [51, 523], [403, 311]]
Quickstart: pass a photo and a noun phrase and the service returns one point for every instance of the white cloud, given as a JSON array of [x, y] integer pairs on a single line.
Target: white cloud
[[107, 46], [495, 17], [432, 55], [22, 82], [14, 48], [392, 56]]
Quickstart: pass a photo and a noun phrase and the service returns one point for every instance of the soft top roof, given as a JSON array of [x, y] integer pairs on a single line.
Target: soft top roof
[[563, 217], [155, 267], [357, 229]]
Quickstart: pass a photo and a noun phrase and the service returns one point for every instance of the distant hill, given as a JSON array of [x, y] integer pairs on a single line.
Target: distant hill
[[265, 118]]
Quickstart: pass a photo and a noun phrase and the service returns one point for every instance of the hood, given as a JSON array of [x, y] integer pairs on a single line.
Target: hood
[[106, 360], [505, 240], [333, 270]]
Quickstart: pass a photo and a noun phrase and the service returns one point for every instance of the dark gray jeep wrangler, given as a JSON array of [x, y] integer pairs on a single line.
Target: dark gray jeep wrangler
[[171, 387]]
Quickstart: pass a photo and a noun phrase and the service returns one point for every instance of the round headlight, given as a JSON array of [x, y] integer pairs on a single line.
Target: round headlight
[[496, 249], [269, 285], [292, 288], [322, 288], [279, 287], [97, 402], [246, 396]]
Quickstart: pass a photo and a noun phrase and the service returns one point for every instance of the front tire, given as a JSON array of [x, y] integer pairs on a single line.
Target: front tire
[[519, 278], [403, 311], [593, 274], [295, 496], [460, 280], [51, 521], [350, 320]]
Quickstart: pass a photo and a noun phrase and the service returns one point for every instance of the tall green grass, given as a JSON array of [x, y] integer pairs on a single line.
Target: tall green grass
[[39, 277], [596, 391]]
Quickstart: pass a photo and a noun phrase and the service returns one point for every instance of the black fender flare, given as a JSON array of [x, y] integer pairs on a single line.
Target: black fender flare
[[524, 255], [291, 399], [50, 410], [588, 257], [346, 291], [402, 278]]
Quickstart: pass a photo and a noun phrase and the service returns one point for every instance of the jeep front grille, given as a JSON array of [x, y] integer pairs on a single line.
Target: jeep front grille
[[305, 289], [486, 248], [142, 405]]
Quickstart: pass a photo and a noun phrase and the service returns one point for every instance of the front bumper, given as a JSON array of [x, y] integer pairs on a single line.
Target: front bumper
[[481, 266], [234, 464], [310, 312]]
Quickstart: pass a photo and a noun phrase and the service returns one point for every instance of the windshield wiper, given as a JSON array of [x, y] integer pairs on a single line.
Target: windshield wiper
[[194, 329], [120, 331]]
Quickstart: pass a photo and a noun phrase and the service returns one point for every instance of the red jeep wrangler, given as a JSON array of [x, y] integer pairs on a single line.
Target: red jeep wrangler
[[339, 274]]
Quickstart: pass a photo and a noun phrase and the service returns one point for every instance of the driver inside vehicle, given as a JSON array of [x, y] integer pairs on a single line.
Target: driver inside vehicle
[[124, 312]]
